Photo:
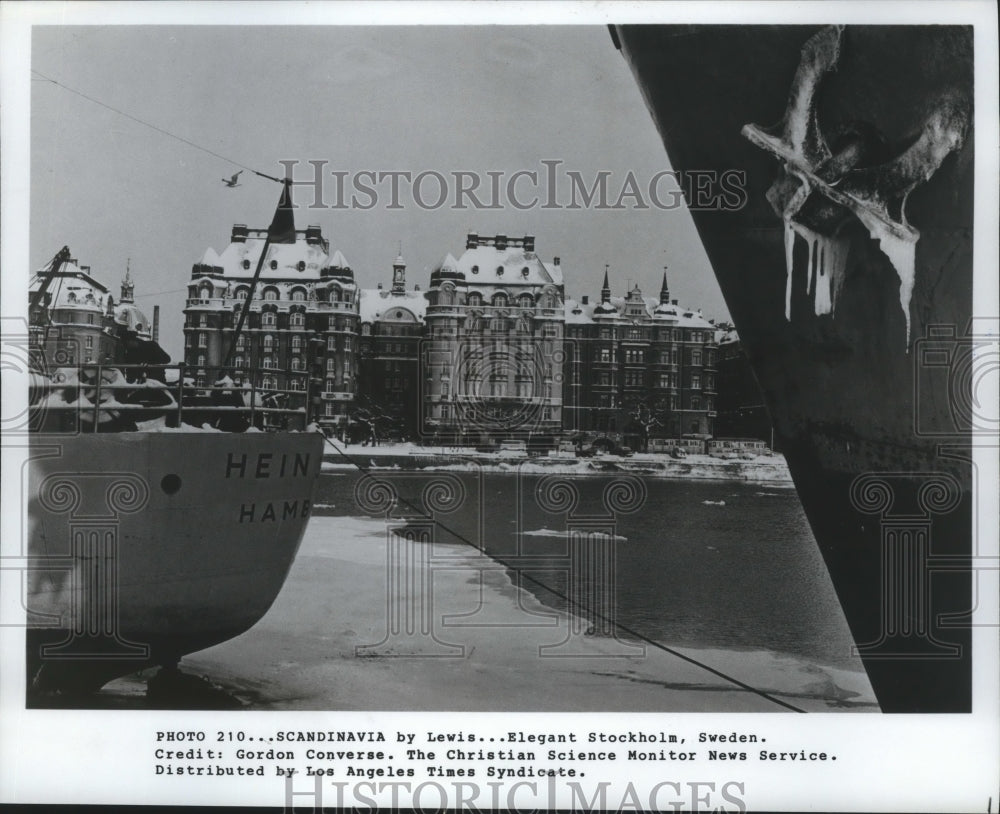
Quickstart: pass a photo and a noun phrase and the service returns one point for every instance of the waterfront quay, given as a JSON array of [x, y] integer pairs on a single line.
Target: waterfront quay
[[344, 634]]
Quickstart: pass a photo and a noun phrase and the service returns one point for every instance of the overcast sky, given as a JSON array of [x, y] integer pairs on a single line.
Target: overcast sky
[[414, 99]]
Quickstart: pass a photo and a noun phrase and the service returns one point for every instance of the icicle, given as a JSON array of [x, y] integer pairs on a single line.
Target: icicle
[[789, 266], [835, 267], [901, 249], [822, 303], [902, 254], [811, 243]]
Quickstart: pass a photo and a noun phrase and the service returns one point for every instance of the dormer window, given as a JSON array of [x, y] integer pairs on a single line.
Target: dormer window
[[274, 265], [499, 271], [525, 272], [301, 265], [246, 265], [475, 269]]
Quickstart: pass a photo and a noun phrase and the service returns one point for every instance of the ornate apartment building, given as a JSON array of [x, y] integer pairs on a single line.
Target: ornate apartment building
[[301, 331], [491, 361], [638, 367], [392, 327], [492, 350], [75, 320]]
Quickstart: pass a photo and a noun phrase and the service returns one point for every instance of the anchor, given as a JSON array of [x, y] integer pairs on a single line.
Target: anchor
[[819, 189]]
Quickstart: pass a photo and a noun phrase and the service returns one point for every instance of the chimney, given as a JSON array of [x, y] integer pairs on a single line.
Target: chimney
[[380, 286], [673, 302], [500, 241], [155, 335], [585, 300], [416, 287], [555, 261], [529, 243], [240, 233], [472, 240]]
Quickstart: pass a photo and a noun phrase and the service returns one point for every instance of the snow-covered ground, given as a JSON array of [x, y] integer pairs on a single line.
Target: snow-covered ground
[[327, 644], [761, 468]]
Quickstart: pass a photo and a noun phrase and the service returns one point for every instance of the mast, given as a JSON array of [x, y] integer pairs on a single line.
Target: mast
[[282, 223]]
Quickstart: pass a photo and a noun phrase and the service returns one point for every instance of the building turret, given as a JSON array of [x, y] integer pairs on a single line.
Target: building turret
[[664, 289], [606, 288], [399, 274], [128, 287]]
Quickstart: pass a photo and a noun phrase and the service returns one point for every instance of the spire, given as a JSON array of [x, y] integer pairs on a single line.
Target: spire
[[664, 289], [606, 289], [399, 273], [128, 287]]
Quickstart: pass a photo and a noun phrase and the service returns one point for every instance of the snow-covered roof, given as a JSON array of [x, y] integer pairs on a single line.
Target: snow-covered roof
[[378, 304], [303, 259], [72, 287], [577, 313], [510, 266], [131, 317], [338, 261]]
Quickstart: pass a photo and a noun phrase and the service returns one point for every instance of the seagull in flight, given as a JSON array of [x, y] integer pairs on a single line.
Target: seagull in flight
[[232, 182]]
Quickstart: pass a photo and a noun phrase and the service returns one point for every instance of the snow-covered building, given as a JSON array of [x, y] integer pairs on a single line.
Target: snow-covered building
[[490, 363], [392, 325], [300, 333], [75, 320], [638, 367]]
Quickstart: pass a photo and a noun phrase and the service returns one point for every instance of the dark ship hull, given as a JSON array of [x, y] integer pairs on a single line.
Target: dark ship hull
[[147, 546], [870, 394]]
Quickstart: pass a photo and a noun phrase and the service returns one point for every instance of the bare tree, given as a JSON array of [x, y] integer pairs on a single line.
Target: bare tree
[[648, 414]]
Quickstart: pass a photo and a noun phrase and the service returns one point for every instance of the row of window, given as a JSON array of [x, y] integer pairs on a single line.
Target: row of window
[[444, 411], [499, 299], [637, 378], [636, 356], [271, 294], [637, 333], [269, 319], [270, 343]]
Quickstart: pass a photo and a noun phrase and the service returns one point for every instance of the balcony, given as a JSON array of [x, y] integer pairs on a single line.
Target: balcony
[[312, 306], [331, 306]]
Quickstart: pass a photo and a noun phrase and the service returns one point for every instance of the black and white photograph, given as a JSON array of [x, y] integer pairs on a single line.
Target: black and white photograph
[[471, 406]]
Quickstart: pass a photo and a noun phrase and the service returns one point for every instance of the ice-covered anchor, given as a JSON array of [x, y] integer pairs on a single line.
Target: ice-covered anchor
[[818, 189]]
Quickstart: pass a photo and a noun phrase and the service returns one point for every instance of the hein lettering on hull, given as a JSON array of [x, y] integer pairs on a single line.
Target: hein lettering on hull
[[270, 466], [267, 465]]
